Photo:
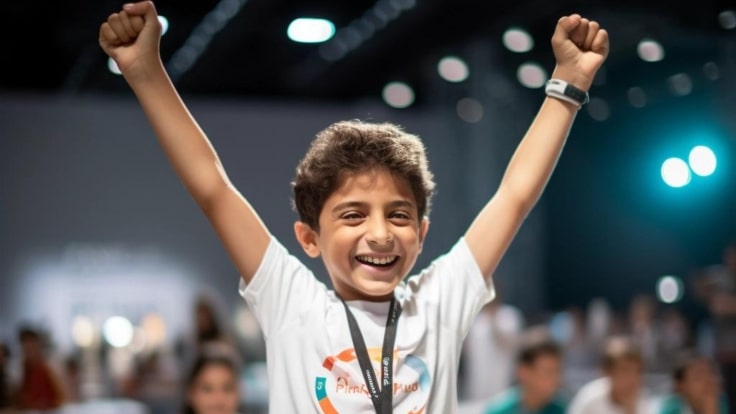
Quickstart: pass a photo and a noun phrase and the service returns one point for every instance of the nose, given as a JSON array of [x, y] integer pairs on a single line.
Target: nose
[[379, 233]]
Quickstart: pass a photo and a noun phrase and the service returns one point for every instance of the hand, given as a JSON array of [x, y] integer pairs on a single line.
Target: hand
[[131, 37], [580, 47]]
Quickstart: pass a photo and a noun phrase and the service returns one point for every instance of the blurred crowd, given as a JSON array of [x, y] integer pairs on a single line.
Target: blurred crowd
[[650, 357]]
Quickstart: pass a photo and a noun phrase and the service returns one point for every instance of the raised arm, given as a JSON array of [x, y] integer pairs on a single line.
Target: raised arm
[[131, 37], [580, 48]]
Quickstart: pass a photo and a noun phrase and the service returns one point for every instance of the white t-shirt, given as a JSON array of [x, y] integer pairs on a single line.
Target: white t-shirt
[[312, 366], [490, 351], [594, 398]]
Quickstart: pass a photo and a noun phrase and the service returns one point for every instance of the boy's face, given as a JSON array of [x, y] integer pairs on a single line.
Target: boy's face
[[370, 235], [541, 377], [700, 380], [626, 376]]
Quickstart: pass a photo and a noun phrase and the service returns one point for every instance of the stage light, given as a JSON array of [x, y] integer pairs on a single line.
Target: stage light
[[680, 84], [453, 69], [637, 97], [675, 172], [531, 75], [310, 30], [702, 161], [518, 40], [83, 331], [118, 331], [669, 289], [727, 18], [470, 110], [398, 95], [650, 50]]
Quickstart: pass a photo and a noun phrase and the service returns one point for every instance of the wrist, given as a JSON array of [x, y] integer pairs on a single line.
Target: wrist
[[573, 77]]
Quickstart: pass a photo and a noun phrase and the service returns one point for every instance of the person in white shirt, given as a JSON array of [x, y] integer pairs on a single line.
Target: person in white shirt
[[621, 389], [376, 341], [490, 350]]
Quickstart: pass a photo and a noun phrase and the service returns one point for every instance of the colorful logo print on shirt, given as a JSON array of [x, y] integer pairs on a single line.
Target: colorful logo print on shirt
[[343, 389]]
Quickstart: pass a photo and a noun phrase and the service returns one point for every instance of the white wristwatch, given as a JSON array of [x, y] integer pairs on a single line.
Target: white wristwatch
[[560, 89]]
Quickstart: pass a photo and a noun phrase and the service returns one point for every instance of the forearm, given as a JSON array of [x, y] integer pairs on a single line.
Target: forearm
[[536, 156], [185, 144]]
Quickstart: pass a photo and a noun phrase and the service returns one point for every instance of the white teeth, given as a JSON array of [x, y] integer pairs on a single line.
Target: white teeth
[[377, 260]]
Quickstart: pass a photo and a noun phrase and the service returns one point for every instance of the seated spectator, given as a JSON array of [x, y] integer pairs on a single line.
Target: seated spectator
[[696, 388], [40, 385], [620, 390], [212, 386], [538, 374]]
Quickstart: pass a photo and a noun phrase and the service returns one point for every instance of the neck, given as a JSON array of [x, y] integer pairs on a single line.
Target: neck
[[531, 401], [348, 295], [623, 399]]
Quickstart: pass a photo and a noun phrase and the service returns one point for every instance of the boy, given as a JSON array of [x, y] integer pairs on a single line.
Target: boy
[[538, 371], [696, 387], [362, 193], [621, 390]]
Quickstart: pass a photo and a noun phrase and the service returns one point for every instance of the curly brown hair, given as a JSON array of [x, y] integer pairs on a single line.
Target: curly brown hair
[[355, 146]]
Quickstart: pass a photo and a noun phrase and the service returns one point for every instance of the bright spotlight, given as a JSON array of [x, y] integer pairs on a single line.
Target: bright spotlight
[[83, 331], [669, 289], [398, 95], [453, 69], [518, 40], [118, 331], [675, 172], [310, 30], [702, 161], [650, 50], [531, 75]]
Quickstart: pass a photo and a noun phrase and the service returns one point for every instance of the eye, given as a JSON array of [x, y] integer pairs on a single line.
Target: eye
[[351, 216], [400, 217]]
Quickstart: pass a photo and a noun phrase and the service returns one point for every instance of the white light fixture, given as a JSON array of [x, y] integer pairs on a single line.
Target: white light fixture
[[518, 40], [310, 30], [531, 75], [118, 331], [453, 69], [702, 161], [675, 172], [398, 95], [650, 50]]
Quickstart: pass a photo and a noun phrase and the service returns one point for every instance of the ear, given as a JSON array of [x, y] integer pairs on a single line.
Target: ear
[[307, 238], [423, 229]]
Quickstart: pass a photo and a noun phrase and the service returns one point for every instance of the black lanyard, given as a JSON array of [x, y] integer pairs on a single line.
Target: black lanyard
[[381, 398]]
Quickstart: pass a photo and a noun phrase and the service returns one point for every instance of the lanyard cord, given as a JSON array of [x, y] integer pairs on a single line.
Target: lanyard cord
[[382, 398]]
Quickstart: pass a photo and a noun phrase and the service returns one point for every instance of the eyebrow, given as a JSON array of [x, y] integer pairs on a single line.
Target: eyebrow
[[359, 204]]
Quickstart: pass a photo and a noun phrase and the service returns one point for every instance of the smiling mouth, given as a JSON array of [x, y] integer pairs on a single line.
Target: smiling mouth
[[377, 261]]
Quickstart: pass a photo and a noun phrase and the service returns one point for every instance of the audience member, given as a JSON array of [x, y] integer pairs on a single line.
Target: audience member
[[212, 386], [538, 374], [696, 387], [620, 390]]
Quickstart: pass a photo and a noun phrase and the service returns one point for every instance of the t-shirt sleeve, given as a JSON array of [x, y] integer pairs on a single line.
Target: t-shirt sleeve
[[282, 290], [454, 283]]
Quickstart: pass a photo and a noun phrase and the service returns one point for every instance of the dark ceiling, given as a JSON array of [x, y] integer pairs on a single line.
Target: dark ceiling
[[51, 46]]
